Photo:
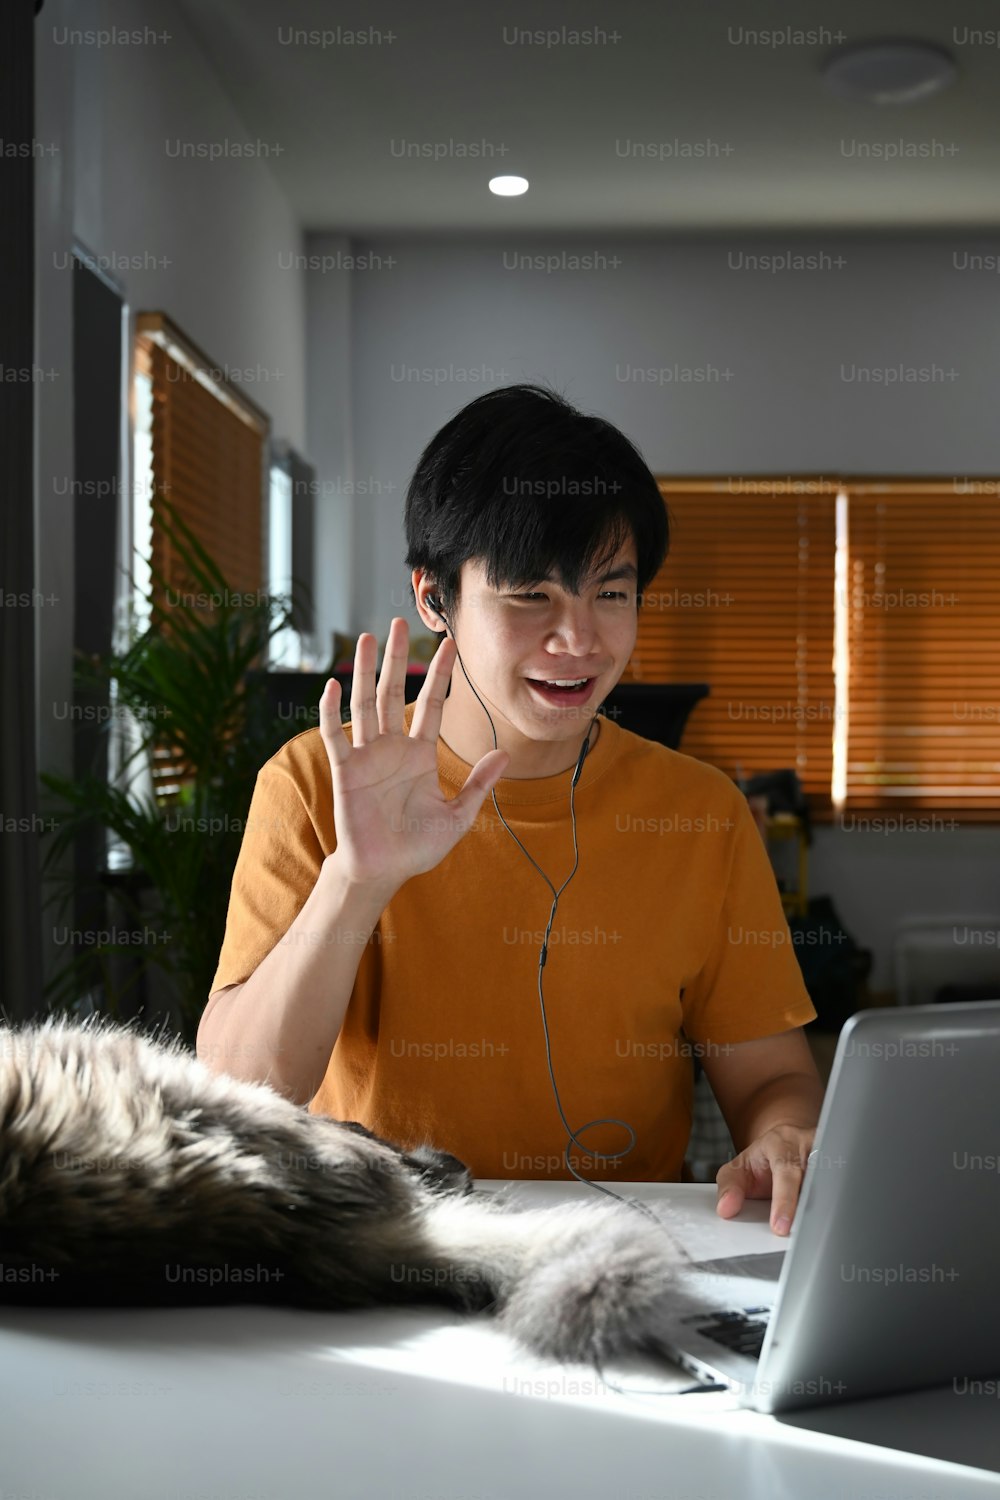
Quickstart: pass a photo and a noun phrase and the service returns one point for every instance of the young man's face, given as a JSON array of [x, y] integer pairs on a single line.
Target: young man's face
[[508, 637]]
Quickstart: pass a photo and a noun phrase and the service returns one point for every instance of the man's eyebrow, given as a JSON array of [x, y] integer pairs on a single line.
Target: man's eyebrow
[[627, 570]]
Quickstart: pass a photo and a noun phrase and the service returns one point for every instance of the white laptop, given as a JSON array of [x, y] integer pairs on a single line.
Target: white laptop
[[891, 1276]]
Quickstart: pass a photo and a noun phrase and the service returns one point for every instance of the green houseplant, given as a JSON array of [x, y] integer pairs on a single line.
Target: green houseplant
[[187, 690]]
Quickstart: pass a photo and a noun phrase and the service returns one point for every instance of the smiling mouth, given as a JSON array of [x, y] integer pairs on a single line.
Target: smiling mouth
[[562, 695], [562, 682]]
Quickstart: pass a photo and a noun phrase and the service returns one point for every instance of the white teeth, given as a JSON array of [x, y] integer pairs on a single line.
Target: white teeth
[[565, 682]]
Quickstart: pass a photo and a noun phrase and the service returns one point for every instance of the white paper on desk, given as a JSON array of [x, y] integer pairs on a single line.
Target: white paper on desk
[[686, 1210]]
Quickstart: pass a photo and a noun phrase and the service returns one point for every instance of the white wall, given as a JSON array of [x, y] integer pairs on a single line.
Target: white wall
[[455, 306]]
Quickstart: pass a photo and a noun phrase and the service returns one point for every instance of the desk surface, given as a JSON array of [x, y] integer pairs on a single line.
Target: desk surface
[[241, 1403]]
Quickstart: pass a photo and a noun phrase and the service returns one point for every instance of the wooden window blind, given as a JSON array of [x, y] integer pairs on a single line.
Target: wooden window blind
[[209, 449], [209, 459], [849, 629], [745, 603], [924, 633]]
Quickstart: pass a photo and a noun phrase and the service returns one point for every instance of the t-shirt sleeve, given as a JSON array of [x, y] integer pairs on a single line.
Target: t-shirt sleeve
[[750, 984], [279, 862]]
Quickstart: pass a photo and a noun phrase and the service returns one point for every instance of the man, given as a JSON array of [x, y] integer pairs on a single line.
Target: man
[[382, 952]]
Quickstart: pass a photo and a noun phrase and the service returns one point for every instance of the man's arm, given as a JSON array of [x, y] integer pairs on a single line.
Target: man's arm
[[281, 1024], [770, 1081]]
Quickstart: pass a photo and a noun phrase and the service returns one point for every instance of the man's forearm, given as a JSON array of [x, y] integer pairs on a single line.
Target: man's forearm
[[792, 1099], [280, 1027]]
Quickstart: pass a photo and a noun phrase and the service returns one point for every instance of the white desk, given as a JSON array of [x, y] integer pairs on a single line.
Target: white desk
[[240, 1403]]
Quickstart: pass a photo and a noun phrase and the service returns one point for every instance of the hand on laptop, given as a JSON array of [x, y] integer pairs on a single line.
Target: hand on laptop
[[772, 1166]]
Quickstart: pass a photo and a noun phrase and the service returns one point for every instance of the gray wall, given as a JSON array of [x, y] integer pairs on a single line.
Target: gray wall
[[339, 586], [435, 321], [452, 306], [211, 242], [203, 240]]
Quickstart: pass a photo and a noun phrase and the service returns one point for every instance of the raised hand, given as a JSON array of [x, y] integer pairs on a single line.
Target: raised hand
[[391, 817]]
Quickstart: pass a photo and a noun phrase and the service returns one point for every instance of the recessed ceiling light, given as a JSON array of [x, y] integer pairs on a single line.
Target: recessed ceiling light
[[889, 72], [508, 187]]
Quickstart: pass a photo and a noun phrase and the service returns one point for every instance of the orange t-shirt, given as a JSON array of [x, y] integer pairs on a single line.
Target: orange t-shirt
[[672, 924]]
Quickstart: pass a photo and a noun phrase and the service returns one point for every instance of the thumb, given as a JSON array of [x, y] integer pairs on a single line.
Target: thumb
[[730, 1198], [483, 776]]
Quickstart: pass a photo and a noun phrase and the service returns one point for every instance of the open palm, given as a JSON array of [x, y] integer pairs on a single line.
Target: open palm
[[392, 820]]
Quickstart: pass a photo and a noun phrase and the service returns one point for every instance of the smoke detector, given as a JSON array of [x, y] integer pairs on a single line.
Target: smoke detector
[[889, 72]]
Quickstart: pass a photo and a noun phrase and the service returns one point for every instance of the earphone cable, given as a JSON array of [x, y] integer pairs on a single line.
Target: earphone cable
[[572, 1136]]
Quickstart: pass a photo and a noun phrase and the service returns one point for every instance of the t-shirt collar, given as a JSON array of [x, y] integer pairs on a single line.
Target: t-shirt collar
[[517, 791]]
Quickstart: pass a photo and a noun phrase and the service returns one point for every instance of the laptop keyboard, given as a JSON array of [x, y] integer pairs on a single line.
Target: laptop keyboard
[[740, 1331]]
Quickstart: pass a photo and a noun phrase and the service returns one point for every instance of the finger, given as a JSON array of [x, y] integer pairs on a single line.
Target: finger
[[787, 1180], [390, 695], [364, 724], [426, 721], [731, 1196], [746, 1176], [330, 727], [788, 1172]]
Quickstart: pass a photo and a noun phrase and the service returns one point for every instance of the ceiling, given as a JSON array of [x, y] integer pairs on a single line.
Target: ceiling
[[749, 136]]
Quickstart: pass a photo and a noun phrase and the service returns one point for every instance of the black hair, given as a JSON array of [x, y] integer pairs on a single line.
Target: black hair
[[526, 484]]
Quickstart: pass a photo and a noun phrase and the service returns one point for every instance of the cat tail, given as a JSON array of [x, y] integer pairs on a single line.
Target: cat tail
[[578, 1283]]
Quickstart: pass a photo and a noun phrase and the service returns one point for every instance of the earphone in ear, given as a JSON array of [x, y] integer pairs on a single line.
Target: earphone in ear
[[434, 603]]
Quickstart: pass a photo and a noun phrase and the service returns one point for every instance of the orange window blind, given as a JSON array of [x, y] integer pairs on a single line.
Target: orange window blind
[[208, 459], [209, 449], [923, 603], [848, 629], [745, 603]]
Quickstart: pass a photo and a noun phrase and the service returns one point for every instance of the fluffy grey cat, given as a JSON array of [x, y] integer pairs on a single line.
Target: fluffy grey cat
[[130, 1174]]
